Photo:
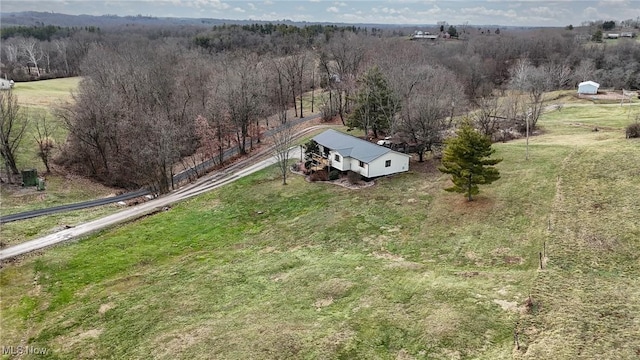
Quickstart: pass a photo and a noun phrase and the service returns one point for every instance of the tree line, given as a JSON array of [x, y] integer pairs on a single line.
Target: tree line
[[151, 99]]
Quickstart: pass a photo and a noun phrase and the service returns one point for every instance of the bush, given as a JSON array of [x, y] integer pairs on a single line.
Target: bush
[[633, 130], [353, 177], [328, 112], [334, 175], [319, 176]]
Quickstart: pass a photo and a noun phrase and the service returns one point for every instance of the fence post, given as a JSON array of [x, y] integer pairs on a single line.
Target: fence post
[[540, 260]]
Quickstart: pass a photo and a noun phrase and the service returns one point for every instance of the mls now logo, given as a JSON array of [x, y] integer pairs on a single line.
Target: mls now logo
[[23, 350]]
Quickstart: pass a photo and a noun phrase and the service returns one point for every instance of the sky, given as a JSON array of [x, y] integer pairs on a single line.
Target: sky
[[409, 12]]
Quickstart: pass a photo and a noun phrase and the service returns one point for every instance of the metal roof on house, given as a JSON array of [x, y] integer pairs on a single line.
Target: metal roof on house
[[592, 83], [351, 146]]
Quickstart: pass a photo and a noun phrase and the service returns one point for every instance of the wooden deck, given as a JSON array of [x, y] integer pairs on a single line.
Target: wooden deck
[[318, 162]]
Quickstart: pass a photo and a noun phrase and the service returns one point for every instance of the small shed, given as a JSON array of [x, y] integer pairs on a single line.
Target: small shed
[[588, 87], [30, 177], [5, 84]]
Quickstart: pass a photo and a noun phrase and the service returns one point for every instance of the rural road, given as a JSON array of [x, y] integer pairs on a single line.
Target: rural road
[[70, 207], [178, 178], [236, 171]]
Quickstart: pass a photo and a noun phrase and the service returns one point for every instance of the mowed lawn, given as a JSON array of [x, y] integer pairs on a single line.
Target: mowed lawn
[[399, 270], [46, 93]]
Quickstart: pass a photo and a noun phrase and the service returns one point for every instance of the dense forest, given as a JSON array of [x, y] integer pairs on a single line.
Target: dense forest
[[151, 95]]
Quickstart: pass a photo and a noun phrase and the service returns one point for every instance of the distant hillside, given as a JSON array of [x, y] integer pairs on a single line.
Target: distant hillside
[[34, 18]]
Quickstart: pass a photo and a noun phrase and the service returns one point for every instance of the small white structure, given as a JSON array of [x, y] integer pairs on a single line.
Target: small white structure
[[423, 35], [613, 36], [588, 87], [5, 84], [345, 152]]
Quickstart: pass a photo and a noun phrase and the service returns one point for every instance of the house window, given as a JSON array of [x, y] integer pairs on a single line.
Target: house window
[[361, 164], [337, 158], [387, 163]]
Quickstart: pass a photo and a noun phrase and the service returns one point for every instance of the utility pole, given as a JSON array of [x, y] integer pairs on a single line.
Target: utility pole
[[527, 120]]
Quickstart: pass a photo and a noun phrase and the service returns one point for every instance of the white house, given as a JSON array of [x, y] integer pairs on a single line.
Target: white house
[[5, 84], [588, 87], [345, 152], [423, 35]]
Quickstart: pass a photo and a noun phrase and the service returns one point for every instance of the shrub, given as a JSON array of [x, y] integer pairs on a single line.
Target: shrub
[[328, 112], [633, 130], [334, 175], [353, 177], [319, 176]]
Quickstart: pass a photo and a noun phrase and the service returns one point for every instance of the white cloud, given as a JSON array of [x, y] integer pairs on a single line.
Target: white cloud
[[216, 4], [433, 11], [393, 11], [590, 12], [237, 9], [340, 4], [544, 11], [268, 2], [481, 10], [614, 3], [333, 9], [251, 6]]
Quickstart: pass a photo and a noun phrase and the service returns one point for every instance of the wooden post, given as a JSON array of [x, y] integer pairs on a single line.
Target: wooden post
[[540, 260], [527, 119], [544, 249], [515, 338]]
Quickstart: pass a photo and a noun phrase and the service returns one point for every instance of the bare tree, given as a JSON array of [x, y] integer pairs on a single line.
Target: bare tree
[[44, 139], [486, 116], [61, 48], [584, 71], [424, 117], [279, 88], [533, 81], [282, 141], [133, 118], [10, 51], [30, 49], [13, 123], [342, 60], [242, 94]]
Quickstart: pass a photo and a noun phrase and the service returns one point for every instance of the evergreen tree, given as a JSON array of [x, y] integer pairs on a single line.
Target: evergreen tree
[[597, 37], [466, 158], [375, 103], [453, 32]]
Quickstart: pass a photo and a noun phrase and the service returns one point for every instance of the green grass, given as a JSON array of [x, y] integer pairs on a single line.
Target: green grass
[[399, 270], [37, 99], [46, 93], [59, 190]]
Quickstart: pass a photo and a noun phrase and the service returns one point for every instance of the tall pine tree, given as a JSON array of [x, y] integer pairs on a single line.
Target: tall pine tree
[[376, 104], [467, 158]]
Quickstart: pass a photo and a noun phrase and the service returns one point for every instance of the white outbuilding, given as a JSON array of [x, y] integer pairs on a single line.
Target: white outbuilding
[[5, 84], [588, 87], [345, 152]]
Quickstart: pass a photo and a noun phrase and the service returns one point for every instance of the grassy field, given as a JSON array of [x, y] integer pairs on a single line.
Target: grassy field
[[39, 98], [46, 93], [400, 270]]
